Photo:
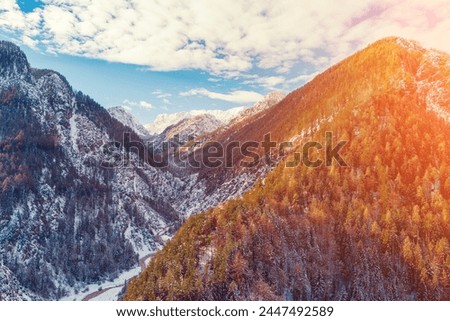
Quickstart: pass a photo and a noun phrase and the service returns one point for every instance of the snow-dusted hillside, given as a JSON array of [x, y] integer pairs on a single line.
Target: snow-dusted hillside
[[67, 218], [10, 288], [126, 118]]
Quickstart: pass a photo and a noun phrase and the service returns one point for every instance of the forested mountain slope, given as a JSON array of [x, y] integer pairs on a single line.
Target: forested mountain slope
[[376, 229], [65, 219]]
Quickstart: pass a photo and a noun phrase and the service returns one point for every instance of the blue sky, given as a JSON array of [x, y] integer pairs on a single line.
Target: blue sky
[[114, 84], [29, 5], [169, 56]]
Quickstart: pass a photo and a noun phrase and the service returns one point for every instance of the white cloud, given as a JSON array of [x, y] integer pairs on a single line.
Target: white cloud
[[161, 94], [238, 96], [29, 42], [224, 38], [270, 83], [145, 105], [13, 20], [142, 104]]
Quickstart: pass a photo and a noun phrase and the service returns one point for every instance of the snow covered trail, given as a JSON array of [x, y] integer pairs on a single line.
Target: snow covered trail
[[94, 295], [143, 262]]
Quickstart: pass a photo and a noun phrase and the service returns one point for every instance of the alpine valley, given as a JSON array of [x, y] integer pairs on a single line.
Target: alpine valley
[[81, 205], [66, 219]]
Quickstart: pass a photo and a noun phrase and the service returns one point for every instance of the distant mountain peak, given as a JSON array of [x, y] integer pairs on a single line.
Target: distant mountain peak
[[126, 118], [275, 94], [268, 101], [217, 117], [163, 121]]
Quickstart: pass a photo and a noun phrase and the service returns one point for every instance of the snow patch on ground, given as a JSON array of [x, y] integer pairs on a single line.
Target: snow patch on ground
[[110, 295], [116, 285], [74, 132]]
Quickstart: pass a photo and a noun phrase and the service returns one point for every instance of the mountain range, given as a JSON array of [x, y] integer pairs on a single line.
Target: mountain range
[[163, 121], [81, 202]]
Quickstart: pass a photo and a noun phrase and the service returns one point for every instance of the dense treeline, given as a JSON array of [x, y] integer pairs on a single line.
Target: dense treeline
[[76, 239]]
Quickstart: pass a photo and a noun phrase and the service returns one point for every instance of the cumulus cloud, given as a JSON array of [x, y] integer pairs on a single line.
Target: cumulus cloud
[[163, 97], [238, 96], [145, 105], [13, 20], [226, 39], [270, 82], [161, 94], [142, 104]]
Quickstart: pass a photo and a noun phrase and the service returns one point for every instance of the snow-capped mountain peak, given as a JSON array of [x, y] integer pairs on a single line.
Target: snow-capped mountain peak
[[222, 117], [268, 101], [163, 121], [126, 118]]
